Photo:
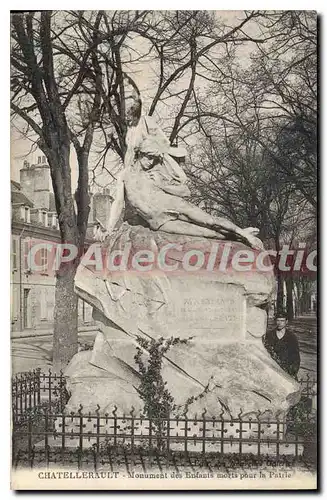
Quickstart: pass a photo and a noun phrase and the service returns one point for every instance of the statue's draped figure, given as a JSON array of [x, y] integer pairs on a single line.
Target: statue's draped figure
[[153, 184], [222, 312]]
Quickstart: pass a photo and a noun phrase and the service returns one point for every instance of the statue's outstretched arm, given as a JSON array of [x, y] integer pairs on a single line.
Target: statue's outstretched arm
[[176, 189], [118, 204]]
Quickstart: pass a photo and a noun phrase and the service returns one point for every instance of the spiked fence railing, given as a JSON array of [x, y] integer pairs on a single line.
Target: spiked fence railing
[[45, 434]]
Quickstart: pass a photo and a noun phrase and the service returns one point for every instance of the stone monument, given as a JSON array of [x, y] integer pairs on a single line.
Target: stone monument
[[176, 282]]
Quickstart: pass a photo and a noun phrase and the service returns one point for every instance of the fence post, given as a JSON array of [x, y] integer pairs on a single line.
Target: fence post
[[259, 433], [114, 412], [20, 394], [222, 431], [168, 436], [150, 434], [14, 399], [61, 390], [296, 427], [46, 437], [25, 391], [241, 434], [38, 378], [34, 387], [97, 412], [204, 431], [185, 432], [49, 386], [63, 436], [309, 396], [278, 438], [308, 384], [30, 386], [97, 446], [132, 429], [29, 439], [80, 452], [15, 391], [13, 445]]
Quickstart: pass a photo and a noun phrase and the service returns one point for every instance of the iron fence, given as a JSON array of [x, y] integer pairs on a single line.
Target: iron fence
[[34, 389], [45, 434]]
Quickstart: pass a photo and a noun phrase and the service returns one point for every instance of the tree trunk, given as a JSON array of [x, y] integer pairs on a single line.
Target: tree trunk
[[296, 301], [280, 293], [289, 298], [306, 301], [65, 339], [305, 296], [65, 333], [280, 281]]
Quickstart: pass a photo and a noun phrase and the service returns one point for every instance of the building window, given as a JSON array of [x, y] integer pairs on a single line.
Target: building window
[[50, 304], [27, 309], [43, 305], [14, 253], [22, 213], [15, 304], [27, 257], [44, 258]]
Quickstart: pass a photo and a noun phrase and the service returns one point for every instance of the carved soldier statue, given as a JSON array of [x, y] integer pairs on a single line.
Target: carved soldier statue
[[154, 185]]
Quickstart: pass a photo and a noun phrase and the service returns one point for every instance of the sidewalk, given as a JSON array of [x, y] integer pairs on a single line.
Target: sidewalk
[[33, 349], [305, 328], [47, 332]]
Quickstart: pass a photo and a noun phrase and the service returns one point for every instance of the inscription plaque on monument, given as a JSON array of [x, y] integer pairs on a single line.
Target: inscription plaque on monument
[[216, 313]]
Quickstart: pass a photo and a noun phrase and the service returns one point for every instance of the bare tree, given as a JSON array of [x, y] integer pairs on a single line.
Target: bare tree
[[51, 63], [42, 90], [177, 44], [261, 167], [70, 75], [236, 177]]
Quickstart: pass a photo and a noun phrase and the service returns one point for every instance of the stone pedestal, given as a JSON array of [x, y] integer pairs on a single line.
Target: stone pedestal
[[222, 310]]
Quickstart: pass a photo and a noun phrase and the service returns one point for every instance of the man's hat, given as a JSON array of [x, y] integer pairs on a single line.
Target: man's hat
[[281, 314]]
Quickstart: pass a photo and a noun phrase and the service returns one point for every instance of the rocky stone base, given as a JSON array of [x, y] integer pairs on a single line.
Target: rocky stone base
[[222, 368], [240, 379]]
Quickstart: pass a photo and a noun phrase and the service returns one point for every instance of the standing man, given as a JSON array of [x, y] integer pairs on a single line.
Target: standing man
[[283, 346]]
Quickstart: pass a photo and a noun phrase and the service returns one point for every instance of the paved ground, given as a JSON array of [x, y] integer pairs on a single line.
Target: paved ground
[[29, 353], [305, 328], [36, 352]]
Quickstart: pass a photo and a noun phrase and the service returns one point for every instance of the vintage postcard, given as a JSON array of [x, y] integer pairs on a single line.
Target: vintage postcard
[[164, 250]]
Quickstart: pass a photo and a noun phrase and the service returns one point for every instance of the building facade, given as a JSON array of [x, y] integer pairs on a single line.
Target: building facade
[[34, 219]]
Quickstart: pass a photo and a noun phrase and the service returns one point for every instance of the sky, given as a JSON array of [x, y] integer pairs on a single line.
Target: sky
[[25, 149]]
